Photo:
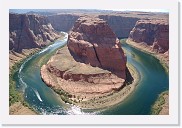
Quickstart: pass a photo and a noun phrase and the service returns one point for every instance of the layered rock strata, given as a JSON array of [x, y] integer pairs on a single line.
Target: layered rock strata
[[91, 65], [93, 41], [120, 22], [63, 22], [77, 79], [154, 33], [27, 34], [29, 31], [152, 36]]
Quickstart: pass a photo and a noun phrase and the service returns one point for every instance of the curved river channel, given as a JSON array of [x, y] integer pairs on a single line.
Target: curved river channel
[[44, 100]]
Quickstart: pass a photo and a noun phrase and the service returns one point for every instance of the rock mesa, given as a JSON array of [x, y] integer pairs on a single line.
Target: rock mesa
[[93, 41], [92, 64]]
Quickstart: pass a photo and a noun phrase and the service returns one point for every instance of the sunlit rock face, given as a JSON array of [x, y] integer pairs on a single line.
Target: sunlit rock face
[[154, 33], [29, 31], [93, 41]]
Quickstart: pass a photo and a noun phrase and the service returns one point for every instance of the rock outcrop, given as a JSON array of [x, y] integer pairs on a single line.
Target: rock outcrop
[[27, 34], [29, 31], [93, 41], [62, 72], [120, 22], [154, 33], [92, 64]]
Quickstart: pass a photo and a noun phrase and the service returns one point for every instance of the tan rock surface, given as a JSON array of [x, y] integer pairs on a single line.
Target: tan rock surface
[[165, 106]]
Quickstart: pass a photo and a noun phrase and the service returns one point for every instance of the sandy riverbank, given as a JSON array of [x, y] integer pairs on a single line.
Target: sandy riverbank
[[19, 109], [114, 98], [107, 99], [96, 88], [15, 59], [161, 106], [17, 106]]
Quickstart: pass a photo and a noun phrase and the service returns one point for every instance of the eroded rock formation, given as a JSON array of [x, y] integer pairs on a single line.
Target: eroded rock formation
[[27, 34], [154, 33], [29, 31], [93, 41], [120, 22], [92, 64]]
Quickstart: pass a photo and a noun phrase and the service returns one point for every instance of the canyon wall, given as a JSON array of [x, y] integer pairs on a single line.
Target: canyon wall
[[63, 22], [154, 33], [27, 34], [29, 31], [119, 24]]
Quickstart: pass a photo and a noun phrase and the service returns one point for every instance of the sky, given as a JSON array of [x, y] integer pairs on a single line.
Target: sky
[[143, 10]]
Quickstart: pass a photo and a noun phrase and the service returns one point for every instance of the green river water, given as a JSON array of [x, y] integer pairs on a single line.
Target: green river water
[[44, 100]]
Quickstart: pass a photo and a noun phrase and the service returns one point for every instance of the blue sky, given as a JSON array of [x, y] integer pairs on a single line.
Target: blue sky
[[143, 10]]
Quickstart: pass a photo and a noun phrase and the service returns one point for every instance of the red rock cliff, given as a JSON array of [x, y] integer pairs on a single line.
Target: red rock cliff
[[154, 33], [91, 66], [93, 41], [120, 22], [29, 31]]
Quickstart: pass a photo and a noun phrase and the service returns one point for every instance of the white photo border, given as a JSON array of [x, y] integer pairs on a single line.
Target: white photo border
[[171, 119]]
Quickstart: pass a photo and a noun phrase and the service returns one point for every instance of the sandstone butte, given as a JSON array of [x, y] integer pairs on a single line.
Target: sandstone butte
[[92, 64], [152, 36]]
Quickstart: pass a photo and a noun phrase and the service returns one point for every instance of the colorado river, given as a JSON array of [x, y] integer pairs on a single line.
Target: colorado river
[[44, 100]]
